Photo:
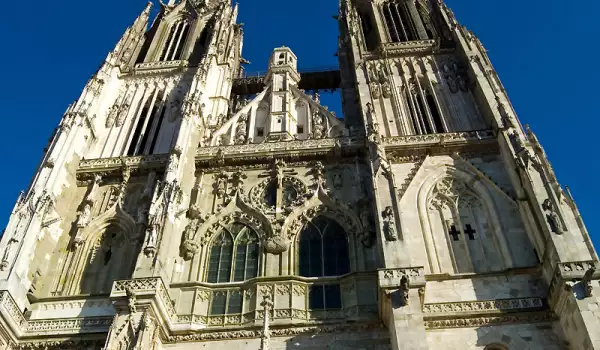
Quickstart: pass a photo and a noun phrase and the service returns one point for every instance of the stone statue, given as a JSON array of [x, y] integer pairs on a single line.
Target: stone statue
[[553, 217], [389, 224]]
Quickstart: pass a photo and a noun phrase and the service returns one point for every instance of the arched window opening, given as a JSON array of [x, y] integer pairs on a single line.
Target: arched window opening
[[426, 19], [460, 225], [148, 126], [175, 42], [399, 22], [424, 111], [234, 255], [323, 251], [368, 29], [107, 260]]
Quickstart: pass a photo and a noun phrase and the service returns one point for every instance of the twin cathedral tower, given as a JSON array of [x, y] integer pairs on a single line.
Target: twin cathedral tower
[[181, 205]]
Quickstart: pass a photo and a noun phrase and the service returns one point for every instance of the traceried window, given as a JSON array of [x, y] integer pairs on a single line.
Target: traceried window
[[147, 127], [323, 252], [403, 18], [423, 110], [175, 41], [234, 255]]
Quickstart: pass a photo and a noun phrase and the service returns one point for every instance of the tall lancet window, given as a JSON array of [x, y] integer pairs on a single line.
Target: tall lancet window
[[323, 252], [175, 40], [462, 232], [234, 255], [148, 124], [400, 24], [424, 113]]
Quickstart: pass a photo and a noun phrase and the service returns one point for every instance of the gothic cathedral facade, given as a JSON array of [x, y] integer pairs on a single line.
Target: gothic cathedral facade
[[183, 205]]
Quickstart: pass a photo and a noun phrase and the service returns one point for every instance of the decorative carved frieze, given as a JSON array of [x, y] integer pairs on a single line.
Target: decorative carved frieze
[[486, 306], [472, 322], [160, 67], [74, 325], [113, 166], [279, 332]]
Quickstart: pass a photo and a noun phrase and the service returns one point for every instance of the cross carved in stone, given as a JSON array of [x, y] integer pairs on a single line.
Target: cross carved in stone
[[470, 232], [454, 233]]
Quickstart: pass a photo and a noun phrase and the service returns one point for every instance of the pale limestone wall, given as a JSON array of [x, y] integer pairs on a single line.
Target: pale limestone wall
[[518, 337], [485, 288]]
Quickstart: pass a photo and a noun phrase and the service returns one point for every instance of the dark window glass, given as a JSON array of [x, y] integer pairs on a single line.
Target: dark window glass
[[333, 297], [323, 249], [335, 248], [315, 298], [220, 259], [219, 300], [235, 303], [310, 252], [138, 129], [163, 55], [181, 43], [157, 130], [435, 113], [270, 195]]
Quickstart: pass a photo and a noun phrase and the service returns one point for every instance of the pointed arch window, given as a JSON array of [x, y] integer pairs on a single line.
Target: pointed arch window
[[458, 217], [323, 251], [424, 111], [399, 22], [234, 255], [147, 128], [175, 41]]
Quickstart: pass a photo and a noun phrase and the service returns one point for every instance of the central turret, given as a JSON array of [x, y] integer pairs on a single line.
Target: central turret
[[281, 76]]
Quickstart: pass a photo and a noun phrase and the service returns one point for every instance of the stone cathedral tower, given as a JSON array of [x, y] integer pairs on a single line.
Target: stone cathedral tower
[[181, 205]]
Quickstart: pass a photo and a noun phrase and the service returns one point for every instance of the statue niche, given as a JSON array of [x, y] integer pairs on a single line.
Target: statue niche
[[109, 257]]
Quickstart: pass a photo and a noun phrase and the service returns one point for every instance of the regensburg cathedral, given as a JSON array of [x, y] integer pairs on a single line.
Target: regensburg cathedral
[[181, 204]]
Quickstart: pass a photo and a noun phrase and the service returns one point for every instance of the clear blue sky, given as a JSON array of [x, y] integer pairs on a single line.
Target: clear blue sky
[[544, 51]]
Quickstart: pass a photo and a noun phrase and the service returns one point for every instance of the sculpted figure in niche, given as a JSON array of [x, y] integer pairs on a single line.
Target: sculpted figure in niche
[[389, 224], [553, 218], [338, 180], [318, 127]]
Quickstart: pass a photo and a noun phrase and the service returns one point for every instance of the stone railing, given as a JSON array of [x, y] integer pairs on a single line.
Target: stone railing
[[160, 66], [22, 327], [291, 302], [440, 139], [295, 146], [146, 287], [88, 167]]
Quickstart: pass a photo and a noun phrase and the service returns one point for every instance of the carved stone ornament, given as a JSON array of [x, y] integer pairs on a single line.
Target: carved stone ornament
[[389, 224], [276, 244], [553, 218]]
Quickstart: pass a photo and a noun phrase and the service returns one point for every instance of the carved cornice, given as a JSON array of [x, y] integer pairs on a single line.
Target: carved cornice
[[62, 344], [275, 332], [471, 322], [160, 67], [406, 148], [70, 325], [107, 167]]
